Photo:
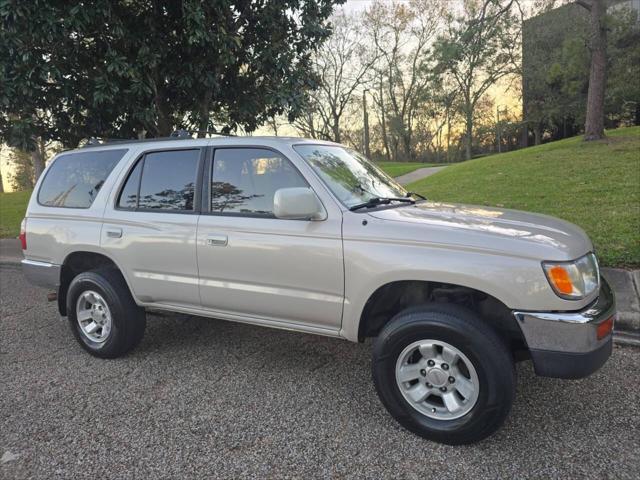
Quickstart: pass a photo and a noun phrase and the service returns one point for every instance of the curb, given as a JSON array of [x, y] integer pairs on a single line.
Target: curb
[[626, 286], [626, 338]]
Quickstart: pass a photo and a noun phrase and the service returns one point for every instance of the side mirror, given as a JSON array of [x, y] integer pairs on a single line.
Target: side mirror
[[297, 204]]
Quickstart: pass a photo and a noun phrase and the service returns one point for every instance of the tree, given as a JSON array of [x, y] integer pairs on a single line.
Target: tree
[[556, 65], [480, 47], [402, 35], [342, 65], [594, 124], [623, 88], [23, 175], [1, 184], [125, 68]]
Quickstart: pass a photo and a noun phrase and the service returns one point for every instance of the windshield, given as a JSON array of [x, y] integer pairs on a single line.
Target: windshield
[[349, 175]]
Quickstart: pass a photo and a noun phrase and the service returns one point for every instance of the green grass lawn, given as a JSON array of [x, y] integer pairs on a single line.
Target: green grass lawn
[[595, 185], [395, 169], [12, 208]]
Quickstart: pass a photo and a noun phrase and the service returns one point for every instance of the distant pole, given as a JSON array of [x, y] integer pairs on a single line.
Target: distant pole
[[365, 119], [498, 129]]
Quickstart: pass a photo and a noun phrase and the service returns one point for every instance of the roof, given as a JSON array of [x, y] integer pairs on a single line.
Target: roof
[[173, 142]]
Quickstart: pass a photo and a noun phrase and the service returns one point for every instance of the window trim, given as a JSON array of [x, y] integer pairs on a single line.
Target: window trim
[[208, 176], [50, 166], [141, 158]]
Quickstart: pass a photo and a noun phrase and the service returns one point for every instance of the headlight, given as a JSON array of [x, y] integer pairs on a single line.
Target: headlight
[[574, 280]]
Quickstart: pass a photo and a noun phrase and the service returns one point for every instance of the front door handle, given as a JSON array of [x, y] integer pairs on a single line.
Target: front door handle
[[114, 233], [217, 240]]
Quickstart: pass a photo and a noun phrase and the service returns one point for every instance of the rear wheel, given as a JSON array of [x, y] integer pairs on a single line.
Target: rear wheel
[[444, 374], [103, 315]]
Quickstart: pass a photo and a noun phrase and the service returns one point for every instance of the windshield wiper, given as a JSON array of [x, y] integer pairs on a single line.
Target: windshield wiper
[[415, 194], [375, 201]]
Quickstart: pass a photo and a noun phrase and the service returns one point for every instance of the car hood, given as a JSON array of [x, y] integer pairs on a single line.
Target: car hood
[[501, 230]]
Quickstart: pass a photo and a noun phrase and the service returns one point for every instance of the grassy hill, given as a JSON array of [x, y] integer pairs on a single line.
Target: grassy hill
[[595, 185]]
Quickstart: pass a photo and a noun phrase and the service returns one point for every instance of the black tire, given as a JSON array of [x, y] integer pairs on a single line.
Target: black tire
[[128, 319], [464, 330]]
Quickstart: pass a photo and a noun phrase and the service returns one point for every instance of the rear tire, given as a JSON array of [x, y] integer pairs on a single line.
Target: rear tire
[[103, 315], [426, 336]]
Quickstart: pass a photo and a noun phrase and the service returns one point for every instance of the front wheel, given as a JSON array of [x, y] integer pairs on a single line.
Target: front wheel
[[444, 374]]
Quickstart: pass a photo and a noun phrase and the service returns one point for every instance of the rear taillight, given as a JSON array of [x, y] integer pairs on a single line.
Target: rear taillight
[[23, 234]]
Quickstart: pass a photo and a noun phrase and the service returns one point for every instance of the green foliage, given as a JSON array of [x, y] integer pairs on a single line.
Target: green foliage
[[566, 179], [556, 62], [12, 209], [554, 58], [22, 175], [623, 86], [121, 68]]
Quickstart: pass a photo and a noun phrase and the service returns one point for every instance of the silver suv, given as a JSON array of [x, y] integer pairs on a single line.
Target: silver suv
[[309, 236]]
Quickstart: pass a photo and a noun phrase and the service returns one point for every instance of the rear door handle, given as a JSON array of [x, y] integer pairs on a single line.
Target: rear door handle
[[114, 233], [215, 240]]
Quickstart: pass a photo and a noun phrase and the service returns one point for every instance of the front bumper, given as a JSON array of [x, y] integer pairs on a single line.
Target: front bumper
[[565, 344], [43, 274]]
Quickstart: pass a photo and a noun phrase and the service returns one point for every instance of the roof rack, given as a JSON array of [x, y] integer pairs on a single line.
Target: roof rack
[[181, 134]]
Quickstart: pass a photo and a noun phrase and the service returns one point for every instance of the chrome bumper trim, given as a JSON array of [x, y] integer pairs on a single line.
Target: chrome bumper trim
[[574, 332], [43, 274]]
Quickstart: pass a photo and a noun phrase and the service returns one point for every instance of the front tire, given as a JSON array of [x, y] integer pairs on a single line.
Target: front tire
[[103, 315], [444, 374]]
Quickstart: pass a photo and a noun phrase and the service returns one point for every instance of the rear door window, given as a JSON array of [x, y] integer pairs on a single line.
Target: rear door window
[[168, 180], [74, 179]]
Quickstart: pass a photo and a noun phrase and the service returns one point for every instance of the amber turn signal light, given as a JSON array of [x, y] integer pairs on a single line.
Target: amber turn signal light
[[560, 278]]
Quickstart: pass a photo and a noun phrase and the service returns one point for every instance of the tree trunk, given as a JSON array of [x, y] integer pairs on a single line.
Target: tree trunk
[[365, 127], [406, 146], [537, 134], [164, 125], [383, 125], [203, 116], [594, 125], [1, 184], [336, 128], [524, 138], [37, 159], [468, 136], [448, 137]]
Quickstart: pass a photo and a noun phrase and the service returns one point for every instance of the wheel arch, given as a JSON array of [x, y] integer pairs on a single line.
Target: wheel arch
[[395, 296], [79, 261]]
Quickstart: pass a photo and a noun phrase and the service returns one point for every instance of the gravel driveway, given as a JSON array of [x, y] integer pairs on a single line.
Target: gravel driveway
[[208, 398]]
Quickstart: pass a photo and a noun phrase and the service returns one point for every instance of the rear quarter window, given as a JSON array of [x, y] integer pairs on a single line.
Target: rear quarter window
[[74, 179]]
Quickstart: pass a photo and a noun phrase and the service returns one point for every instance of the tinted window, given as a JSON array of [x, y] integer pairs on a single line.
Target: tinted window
[[75, 179], [129, 194], [244, 180], [168, 180]]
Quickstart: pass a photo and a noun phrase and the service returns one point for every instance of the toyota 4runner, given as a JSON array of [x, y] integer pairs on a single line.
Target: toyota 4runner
[[309, 236]]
